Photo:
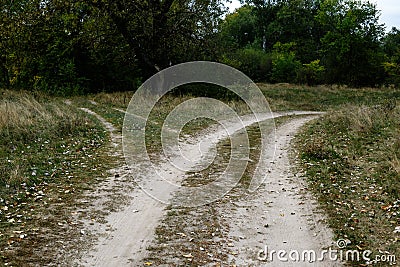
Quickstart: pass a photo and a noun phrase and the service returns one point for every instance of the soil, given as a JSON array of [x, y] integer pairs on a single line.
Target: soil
[[279, 215]]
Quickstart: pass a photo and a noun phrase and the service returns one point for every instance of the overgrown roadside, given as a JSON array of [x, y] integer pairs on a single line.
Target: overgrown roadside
[[50, 152], [351, 160]]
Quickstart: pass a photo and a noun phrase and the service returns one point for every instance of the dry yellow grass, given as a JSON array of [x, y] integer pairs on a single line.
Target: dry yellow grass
[[21, 113], [118, 99], [396, 164], [25, 122]]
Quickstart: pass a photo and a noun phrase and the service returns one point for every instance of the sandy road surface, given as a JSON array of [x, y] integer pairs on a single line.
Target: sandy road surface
[[280, 215], [290, 218]]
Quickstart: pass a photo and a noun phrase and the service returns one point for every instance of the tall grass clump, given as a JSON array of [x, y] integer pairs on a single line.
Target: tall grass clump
[[34, 132], [117, 99]]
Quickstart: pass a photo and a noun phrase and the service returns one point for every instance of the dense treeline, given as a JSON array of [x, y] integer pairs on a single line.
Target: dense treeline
[[77, 46], [312, 41], [82, 46]]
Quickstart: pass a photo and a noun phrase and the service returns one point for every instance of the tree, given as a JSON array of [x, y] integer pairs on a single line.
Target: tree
[[391, 46], [351, 43], [284, 62], [266, 12], [42, 40], [295, 22], [164, 32], [77, 46], [239, 28], [288, 21]]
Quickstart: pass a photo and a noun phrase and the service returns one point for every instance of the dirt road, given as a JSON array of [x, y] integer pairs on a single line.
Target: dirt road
[[288, 221], [280, 215]]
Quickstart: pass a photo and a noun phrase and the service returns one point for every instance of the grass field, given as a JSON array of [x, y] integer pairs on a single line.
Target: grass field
[[351, 160], [51, 152], [350, 156], [323, 98]]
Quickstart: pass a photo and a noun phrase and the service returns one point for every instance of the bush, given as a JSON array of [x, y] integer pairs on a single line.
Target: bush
[[392, 71], [311, 74], [253, 62], [285, 68], [284, 63]]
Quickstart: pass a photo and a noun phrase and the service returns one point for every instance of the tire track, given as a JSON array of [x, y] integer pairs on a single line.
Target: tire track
[[131, 229]]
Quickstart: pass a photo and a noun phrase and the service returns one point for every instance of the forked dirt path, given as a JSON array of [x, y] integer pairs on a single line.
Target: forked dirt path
[[277, 215], [280, 215]]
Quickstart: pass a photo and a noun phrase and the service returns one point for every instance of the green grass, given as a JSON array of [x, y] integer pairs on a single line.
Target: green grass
[[322, 98], [50, 153], [40, 137], [351, 160]]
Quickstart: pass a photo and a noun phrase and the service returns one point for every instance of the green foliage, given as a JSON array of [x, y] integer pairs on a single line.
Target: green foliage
[[345, 35], [391, 44], [284, 63], [295, 23], [351, 45], [392, 71], [392, 50], [252, 62], [311, 73], [238, 30], [72, 47]]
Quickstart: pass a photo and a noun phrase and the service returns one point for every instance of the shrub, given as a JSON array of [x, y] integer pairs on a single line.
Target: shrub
[[392, 71], [284, 63], [311, 73], [253, 62]]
